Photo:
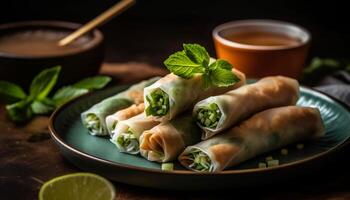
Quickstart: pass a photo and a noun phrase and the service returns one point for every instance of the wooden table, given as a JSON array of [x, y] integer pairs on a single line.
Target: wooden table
[[28, 157]]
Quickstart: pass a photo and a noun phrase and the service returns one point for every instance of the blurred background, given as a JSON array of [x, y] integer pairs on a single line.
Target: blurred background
[[153, 29]]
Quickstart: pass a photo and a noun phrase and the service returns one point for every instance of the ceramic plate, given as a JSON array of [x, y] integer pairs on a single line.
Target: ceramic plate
[[97, 154]]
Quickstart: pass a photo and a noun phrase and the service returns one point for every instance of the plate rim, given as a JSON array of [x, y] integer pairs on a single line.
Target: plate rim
[[60, 141]]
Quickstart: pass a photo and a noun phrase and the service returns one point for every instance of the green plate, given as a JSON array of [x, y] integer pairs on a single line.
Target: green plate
[[97, 154]]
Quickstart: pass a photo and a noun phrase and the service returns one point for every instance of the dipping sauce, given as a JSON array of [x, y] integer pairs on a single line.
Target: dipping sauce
[[262, 48], [39, 43], [263, 39]]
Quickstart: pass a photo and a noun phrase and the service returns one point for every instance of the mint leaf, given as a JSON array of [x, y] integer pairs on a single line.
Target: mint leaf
[[91, 83], [10, 92], [43, 83], [222, 77], [20, 111], [206, 80], [180, 64], [219, 63], [43, 107], [197, 54], [65, 94], [194, 59], [219, 74]]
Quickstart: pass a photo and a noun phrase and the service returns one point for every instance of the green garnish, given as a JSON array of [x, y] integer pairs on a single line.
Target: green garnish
[[284, 152], [262, 165], [320, 67], [268, 158], [167, 166], [194, 59], [209, 116], [273, 163], [22, 107], [158, 103], [127, 142], [92, 123], [200, 161], [300, 146]]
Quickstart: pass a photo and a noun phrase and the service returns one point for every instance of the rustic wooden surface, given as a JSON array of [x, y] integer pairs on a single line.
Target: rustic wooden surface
[[28, 157]]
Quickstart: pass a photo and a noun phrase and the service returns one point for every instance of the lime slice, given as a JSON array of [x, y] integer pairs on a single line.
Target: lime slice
[[77, 186]]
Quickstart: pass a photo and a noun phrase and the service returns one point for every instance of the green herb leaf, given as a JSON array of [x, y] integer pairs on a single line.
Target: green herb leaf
[[194, 59], [20, 111], [219, 63], [10, 92], [219, 74], [91, 83], [197, 53], [180, 64], [67, 93], [43, 83], [222, 77], [206, 80], [320, 67], [43, 107]]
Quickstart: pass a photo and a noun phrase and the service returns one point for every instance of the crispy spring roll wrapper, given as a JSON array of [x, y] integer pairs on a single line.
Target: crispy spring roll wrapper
[[94, 119], [166, 141], [127, 133], [178, 94], [265, 131], [112, 120], [218, 113]]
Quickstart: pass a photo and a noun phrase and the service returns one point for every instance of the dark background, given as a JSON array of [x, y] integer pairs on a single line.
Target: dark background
[[151, 30]]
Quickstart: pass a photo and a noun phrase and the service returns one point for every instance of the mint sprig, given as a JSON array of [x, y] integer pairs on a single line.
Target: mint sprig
[[22, 107], [194, 59]]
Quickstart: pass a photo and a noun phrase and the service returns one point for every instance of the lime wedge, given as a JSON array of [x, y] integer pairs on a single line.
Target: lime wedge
[[77, 186]]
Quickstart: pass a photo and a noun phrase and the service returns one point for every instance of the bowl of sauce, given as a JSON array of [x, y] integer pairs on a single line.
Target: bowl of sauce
[[263, 47], [26, 48]]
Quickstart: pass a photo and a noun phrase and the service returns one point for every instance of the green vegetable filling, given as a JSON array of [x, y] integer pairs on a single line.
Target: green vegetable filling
[[200, 161], [92, 123], [209, 116], [128, 142], [158, 103], [114, 125], [167, 166]]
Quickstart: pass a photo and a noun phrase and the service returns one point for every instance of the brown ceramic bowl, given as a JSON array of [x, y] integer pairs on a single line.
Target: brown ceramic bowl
[[83, 62], [257, 60]]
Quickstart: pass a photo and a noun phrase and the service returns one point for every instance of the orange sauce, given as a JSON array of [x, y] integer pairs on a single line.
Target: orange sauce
[[262, 39]]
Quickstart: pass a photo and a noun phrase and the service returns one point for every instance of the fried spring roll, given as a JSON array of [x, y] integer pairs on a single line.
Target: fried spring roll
[[171, 95], [166, 141], [218, 113], [265, 131], [127, 133], [94, 119], [112, 120]]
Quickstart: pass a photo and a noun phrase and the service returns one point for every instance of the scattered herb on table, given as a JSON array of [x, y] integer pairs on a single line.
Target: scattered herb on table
[[300, 146], [284, 152], [194, 59], [22, 106], [320, 67]]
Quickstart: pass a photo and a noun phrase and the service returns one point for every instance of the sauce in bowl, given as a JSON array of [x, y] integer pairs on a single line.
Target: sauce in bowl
[[263, 39], [262, 48], [39, 43]]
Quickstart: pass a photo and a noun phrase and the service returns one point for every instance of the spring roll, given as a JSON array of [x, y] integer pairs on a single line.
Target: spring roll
[[171, 95], [112, 120], [127, 133], [94, 119], [218, 113], [166, 141], [265, 131]]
